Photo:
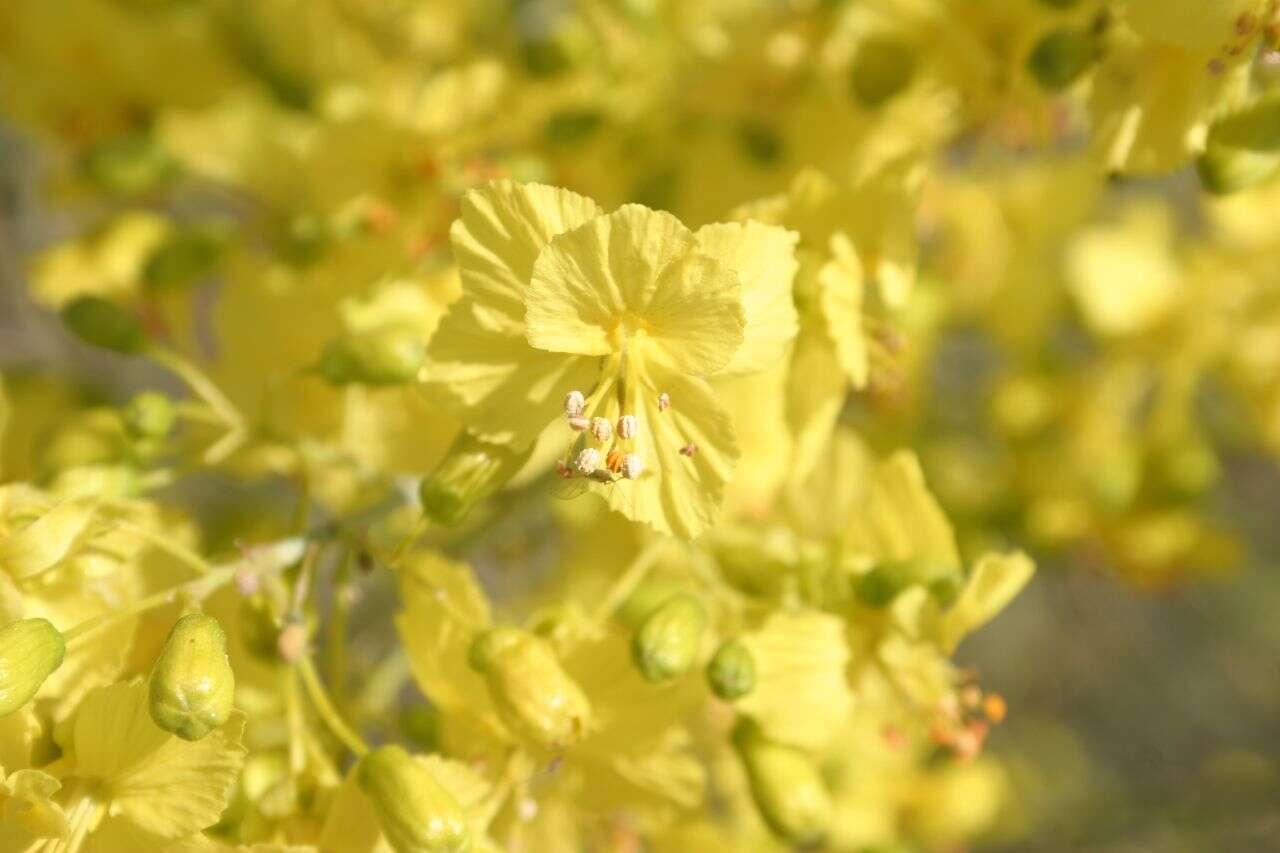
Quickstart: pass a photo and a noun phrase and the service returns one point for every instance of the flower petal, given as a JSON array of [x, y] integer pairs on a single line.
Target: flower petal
[[679, 493], [502, 228], [635, 273], [763, 257]]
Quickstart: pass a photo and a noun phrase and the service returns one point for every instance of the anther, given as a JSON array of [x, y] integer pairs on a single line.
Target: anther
[[632, 466], [601, 429], [664, 401], [689, 449], [577, 423], [574, 404], [627, 426], [588, 460]]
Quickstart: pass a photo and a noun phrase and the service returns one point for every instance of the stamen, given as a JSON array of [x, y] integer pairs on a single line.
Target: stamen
[[577, 423], [689, 449], [601, 429], [632, 466], [627, 425], [588, 460], [664, 401], [574, 404]]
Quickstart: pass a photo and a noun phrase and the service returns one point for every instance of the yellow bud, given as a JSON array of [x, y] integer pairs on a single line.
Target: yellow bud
[[469, 472], [668, 642], [732, 671], [532, 693], [786, 785], [30, 650], [416, 813], [192, 685]]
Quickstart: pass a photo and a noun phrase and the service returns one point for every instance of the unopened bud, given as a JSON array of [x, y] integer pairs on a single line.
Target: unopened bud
[[627, 426], [470, 472], [632, 466], [1242, 148], [149, 415], [732, 671], [601, 429], [588, 460], [417, 814], [881, 69], [574, 404], [1061, 56], [181, 259], [192, 685], [391, 355], [30, 650], [882, 584], [668, 642], [786, 786], [531, 692], [104, 323]]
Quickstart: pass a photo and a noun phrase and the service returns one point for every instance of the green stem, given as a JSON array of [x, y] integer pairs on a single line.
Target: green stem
[[206, 390], [628, 581], [325, 710]]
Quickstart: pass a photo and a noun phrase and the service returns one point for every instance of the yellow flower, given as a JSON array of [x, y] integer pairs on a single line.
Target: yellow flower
[[630, 310]]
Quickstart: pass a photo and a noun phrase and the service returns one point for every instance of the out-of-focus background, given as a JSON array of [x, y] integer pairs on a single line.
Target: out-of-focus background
[[1141, 721]]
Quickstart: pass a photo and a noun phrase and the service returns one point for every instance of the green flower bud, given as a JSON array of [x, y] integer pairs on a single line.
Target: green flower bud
[[149, 415], [104, 323], [531, 692], [1242, 149], [192, 685], [391, 355], [416, 813], [181, 259], [653, 592], [882, 584], [130, 164], [732, 671], [1061, 56], [786, 785], [470, 471], [668, 642], [30, 650], [881, 69]]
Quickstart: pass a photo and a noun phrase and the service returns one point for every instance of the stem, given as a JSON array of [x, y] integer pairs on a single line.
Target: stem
[[325, 710], [419, 527], [335, 647], [628, 581], [173, 548], [206, 390], [276, 557]]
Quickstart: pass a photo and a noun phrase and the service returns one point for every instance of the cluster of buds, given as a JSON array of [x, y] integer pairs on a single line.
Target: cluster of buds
[[964, 719], [590, 461]]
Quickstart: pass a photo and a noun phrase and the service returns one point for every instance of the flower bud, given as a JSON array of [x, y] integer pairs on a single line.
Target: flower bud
[[470, 472], [786, 785], [882, 584], [104, 323], [532, 693], [588, 460], [416, 813], [627, 426], [881, 69], [391, 355], [601, 429], [1242, 148], [1061, 56], [732, 671], [181, 259], [192, 685], [668, 642], [149, 415], [574, 404], [30, 650]]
